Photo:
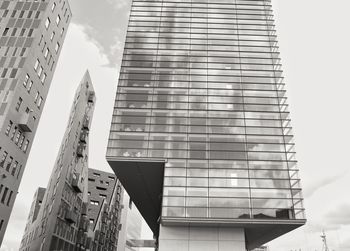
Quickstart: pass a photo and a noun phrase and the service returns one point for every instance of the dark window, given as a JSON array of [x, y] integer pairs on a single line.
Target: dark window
[[9, 199], [30, 14], [101, 188], [5, 13], [4, 195], [14, 31], [30, 32], [8, 166], [13, 73]]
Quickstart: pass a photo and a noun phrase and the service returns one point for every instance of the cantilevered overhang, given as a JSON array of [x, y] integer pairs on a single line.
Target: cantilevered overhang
[[257, 232], [143, 181]]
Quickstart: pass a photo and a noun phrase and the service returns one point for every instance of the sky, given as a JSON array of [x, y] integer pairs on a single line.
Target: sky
[[314, 42]]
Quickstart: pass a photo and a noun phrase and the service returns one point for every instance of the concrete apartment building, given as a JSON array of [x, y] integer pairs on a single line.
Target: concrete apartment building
[[105, 195], [61, 222], [35, 207], [201, 137], [31, 37]]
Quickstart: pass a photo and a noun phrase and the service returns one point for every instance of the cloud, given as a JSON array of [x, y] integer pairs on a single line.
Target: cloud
[[346, 244], [316, 185], [339, 216], [105, 24], [331, 221], [119, 4]]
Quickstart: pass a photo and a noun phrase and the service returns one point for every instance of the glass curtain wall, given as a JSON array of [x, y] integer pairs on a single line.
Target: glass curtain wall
[[201, 86]]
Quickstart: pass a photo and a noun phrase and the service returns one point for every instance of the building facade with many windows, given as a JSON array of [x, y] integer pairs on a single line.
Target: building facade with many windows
[[31, 36], [62, 222], [105, 198], [201, 136]]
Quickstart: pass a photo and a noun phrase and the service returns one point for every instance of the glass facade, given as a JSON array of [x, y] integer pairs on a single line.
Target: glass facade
[[201, 87]]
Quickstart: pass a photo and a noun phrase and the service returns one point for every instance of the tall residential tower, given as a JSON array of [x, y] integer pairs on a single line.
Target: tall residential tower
[[61, 222], [201, 137], [31, 37]]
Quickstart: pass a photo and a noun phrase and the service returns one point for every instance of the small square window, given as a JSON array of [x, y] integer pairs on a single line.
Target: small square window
[[36, 65], [30, 86], [36, 97], [43, 78], [47, 23], [52, 36], [26, 80], [40, 71], [40, 101], [46, 53], [58, 19], [57, 47]]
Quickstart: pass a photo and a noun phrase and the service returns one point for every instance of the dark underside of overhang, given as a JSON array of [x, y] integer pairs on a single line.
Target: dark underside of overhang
[[143, 181]]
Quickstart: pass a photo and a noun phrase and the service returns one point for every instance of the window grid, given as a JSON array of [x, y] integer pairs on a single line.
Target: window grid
[[201, 86]]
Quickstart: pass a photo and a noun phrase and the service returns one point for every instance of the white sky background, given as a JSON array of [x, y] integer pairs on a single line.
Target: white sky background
[[315, 48]]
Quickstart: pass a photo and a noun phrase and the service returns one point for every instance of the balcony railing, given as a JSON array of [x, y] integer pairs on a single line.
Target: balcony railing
[[80, 150], [83, 136], [71, 216], [91, 97], [26, 123], [86, 122], [76, 184]]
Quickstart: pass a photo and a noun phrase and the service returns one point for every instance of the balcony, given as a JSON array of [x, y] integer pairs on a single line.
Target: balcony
[[83, 136], [86, 122], [84, 224], [71, 216], [84, 208], [8, 166], [80, 151], [76, 184], [26, 123], [81, 237], [91, 97]]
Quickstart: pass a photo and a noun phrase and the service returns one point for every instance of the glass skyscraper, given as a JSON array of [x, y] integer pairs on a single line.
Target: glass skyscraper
[[201, 136]]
